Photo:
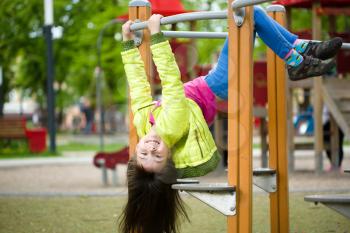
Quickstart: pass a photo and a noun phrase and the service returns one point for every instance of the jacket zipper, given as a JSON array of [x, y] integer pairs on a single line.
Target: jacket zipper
[[200, 148], [201, 136]]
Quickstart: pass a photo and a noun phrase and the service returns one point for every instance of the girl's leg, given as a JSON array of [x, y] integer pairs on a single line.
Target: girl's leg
[[272, 33], [278, 39], [217, 78]]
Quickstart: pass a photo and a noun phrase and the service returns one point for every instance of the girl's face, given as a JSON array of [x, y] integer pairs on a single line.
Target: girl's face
[[151, 152]]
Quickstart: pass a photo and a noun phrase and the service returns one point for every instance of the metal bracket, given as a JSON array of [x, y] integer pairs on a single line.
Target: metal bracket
[[337, 202], [138, 35], [102, 164], [343, 209], [221, 197], [238, 16], [265, 179]]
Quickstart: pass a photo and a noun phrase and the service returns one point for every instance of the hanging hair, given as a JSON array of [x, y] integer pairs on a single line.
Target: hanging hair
[[152, 206]]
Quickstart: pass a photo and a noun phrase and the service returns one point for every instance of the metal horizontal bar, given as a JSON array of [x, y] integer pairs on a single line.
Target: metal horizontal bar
[[242, 3], [345, 46], [189, 34], [192, 16]]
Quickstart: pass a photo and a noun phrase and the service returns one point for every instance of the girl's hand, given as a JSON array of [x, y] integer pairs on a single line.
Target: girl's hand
[[154, 23], [127, 33]]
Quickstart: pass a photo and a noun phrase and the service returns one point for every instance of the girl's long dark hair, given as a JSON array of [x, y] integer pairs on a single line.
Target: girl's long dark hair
[[152, 206]]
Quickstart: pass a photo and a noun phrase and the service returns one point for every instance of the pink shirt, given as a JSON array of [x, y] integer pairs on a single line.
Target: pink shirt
[[199, 91]]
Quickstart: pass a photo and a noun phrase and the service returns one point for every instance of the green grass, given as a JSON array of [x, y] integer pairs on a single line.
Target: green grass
[[73, 146], [19, 149], [99, 214]]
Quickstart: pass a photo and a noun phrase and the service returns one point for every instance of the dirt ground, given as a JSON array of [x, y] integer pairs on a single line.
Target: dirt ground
[[80, 177]]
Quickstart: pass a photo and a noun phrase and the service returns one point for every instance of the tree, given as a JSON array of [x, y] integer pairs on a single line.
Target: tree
[[23, 49]]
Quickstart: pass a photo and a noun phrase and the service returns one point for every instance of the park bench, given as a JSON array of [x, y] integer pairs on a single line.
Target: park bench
[[110, 160], [12, 128]]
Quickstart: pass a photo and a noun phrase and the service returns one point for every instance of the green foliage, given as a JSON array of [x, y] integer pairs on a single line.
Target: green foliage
[[23, 48]]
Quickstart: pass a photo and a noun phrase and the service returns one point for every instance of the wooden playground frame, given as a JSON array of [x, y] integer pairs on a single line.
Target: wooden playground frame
[[240, 118]]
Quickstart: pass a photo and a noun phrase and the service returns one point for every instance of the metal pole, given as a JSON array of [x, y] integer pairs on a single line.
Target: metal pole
[[1, 93], [243, 3], [201, 15], [98, 72], [189, 34], [48, 12], [345, 46], [0, 76], [98, 75], [50, 89]]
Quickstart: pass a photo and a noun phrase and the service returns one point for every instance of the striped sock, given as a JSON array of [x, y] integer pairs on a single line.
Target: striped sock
[[293, 58], [300, 45]]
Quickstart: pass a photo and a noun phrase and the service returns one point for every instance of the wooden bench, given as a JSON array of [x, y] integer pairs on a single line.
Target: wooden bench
[[12, 128]]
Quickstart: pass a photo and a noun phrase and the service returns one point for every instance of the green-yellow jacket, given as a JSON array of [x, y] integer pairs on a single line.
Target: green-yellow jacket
[[179, 120]]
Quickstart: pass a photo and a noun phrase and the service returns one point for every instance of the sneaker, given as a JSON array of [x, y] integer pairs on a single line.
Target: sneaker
[[310, 67], [323, 50]]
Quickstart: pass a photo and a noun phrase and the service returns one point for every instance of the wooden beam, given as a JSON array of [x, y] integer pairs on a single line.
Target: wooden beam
[[278, 160], [332, 11], [240, 102], [141, 13], [318, 103]]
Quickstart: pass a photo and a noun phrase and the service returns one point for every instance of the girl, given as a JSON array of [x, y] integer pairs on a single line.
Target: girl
[[175, 141]]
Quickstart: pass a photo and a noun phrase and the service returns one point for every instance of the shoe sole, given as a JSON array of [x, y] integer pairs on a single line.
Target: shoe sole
[[326, 69]]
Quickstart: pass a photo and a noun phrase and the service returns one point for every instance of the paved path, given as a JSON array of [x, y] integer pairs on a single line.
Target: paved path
[[77, 176], [73, 174]]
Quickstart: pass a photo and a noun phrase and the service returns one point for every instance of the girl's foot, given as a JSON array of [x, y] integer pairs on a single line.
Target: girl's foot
[[309, 67], [323, 50]]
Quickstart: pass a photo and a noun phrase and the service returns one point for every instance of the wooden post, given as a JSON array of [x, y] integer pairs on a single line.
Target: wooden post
[[240, 119], [277, 110], [263, 141], [334, 142], [318, 104], [290, 131], [139, 9]]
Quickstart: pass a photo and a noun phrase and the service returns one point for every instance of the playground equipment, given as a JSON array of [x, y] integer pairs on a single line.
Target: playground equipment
[[110, 160], [331, 9], [333, 92], [338, 202], [238, 190]]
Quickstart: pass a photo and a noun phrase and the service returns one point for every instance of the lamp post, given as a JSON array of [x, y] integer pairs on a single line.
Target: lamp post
[[1, 91], [98, 76], [48, 11]]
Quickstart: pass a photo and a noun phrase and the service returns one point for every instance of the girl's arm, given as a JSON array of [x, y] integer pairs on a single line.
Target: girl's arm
[[140, 90], [173, 121]]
